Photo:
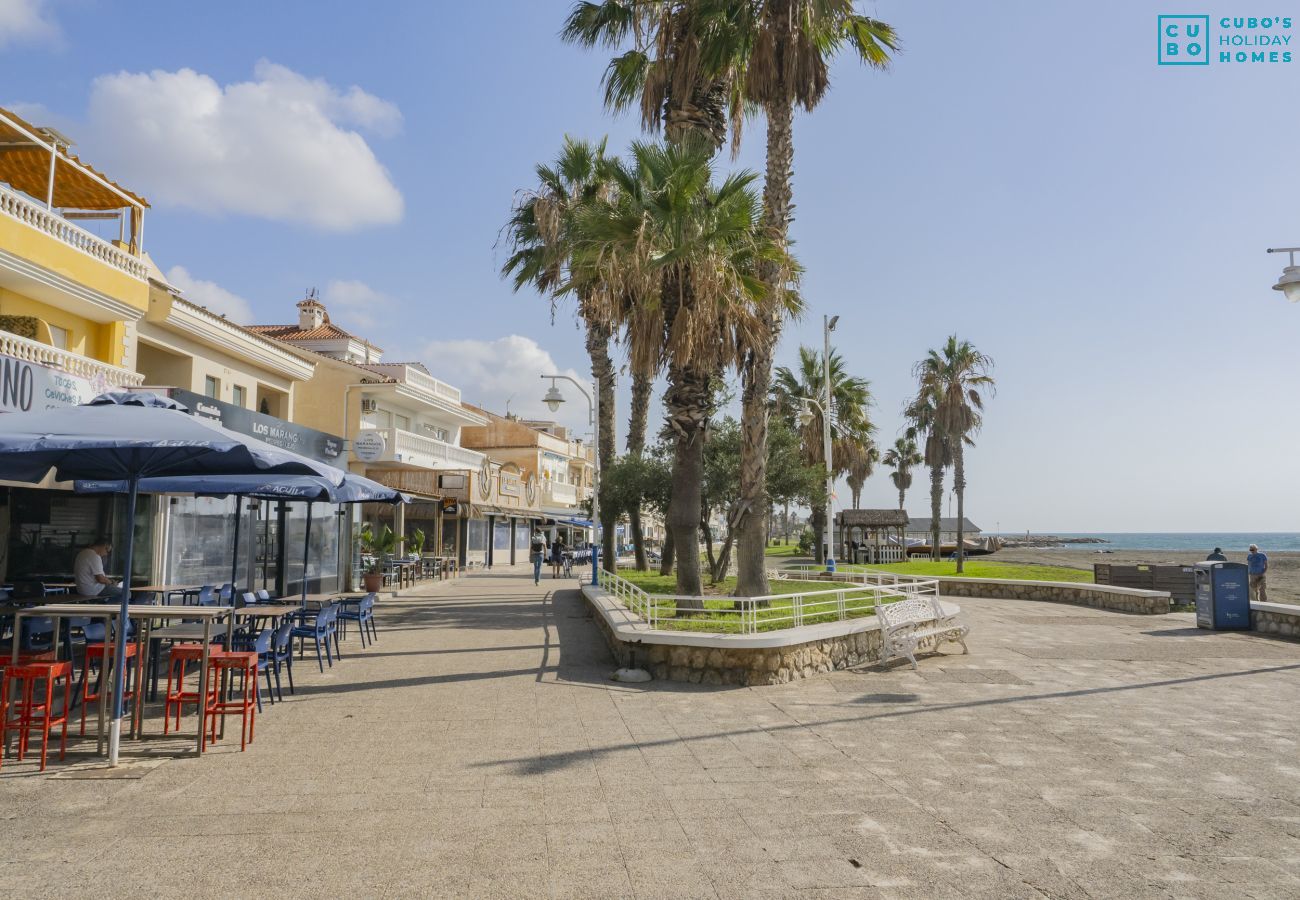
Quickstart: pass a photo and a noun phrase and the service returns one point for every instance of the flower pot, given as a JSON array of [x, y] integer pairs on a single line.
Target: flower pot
[[372, 581]]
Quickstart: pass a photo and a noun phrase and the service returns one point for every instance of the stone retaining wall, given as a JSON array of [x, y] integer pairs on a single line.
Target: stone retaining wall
[[1129, 600], [1275, 618], [742, 665]]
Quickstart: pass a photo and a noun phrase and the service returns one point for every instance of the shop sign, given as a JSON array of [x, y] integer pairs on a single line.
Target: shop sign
[[510, 484], [369, 445], [26, 386], [317, 445], [450, 507]]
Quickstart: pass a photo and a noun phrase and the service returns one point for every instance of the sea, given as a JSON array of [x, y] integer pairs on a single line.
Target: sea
[[1178, 540]]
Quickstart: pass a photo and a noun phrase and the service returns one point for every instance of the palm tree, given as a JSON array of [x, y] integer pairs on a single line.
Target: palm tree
[[922, 412], [677, 70], [683, 253], [850, 400], [540, 235], [861, 466], [782, 51], [902, 457], [642, 382], [957, 376]]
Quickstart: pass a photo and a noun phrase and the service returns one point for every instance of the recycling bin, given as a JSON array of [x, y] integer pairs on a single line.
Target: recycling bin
[[1222, 595]]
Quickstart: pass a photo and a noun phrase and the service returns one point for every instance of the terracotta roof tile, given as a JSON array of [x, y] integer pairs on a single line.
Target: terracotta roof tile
[[294, 333]]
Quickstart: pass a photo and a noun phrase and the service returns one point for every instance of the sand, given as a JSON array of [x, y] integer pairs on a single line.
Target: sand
[[1283, 566]]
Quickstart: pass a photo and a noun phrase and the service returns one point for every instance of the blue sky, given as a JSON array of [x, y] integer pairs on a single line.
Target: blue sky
[[1026, 176]]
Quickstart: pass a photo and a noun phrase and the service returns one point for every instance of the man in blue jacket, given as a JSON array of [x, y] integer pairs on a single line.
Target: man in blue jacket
[[1257, 568]]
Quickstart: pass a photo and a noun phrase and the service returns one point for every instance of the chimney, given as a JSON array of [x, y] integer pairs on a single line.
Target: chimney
[[311, 312]]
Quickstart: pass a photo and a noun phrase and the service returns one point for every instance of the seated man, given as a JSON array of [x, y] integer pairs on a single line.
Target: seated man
[[88, 569]]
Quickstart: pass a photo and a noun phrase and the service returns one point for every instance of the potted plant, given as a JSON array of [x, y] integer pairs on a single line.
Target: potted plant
[[416, 543], [379, 548]]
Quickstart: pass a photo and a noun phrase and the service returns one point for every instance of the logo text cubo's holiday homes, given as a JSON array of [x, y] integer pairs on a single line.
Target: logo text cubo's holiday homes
[[1229, 40]]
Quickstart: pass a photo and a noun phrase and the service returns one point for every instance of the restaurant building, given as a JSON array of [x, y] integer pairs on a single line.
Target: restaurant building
[[246, 382], [403, 429], [73, 290]]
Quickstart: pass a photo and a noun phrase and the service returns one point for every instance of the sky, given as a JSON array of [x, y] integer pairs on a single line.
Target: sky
[[1025, 176]]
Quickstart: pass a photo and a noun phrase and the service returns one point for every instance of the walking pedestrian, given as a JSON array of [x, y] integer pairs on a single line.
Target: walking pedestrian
[[536, 555], [1257, 569], [557, 556]]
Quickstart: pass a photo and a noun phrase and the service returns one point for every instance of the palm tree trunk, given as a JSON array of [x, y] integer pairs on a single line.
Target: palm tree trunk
[[636, 426], [756, 373], [666, 559], [901, 492], [936, 507], [959, 485], [818, 523], [688, 402], [602, 370]]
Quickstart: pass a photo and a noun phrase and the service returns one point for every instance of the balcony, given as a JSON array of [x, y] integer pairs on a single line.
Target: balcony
[[411, 449], [36, 216], [101, 375]]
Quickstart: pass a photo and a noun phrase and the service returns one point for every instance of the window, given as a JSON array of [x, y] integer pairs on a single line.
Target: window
[[402, 422], [239, 395], [211, 387], [58, 337]]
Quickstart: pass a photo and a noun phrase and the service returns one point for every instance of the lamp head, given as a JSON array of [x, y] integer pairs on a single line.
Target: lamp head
[[553, 398], [1289, 283], [831, 325], [805, 413]]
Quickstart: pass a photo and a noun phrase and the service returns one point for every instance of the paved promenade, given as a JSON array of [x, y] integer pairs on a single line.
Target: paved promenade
[[479, 751]]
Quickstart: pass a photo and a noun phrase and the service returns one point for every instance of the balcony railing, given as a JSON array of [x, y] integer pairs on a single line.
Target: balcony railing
[[72, 363], [431, 453], [416, 378], [37, 216], [556, 494]]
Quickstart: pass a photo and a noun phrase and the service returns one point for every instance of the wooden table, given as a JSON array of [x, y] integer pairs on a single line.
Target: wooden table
[[167, 590], [145, 614], [319, 600]]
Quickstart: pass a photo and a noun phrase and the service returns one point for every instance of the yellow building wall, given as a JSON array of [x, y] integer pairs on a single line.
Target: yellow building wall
[[84, 337], [319, 402], [35, 246]]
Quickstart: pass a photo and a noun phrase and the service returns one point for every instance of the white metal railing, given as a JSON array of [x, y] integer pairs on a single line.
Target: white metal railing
[[49, 222], [72, 363], [419, 449], [751, 615]]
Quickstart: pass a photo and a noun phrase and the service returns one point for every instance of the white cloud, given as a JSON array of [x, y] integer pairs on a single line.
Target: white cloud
[[26, 21], [278, 147], [508, 369], [212, 295], [355, 303]]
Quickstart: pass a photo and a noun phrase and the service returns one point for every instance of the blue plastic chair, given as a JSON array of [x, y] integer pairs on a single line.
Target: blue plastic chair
[[363, 613], [37, 635], [321, 627], [282, 654], [227, 592], [207, 596], [263, 596]]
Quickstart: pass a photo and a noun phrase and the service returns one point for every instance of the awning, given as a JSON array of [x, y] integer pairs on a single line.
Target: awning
[[579, 523], [25, 164]]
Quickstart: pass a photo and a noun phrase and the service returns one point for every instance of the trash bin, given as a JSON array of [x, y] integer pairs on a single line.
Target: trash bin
[[1222, 595]]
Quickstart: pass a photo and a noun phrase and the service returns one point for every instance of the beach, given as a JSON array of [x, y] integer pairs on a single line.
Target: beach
[[1283, 569]]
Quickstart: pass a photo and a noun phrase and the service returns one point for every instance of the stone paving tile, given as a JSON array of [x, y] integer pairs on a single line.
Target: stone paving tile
[[477, 750]]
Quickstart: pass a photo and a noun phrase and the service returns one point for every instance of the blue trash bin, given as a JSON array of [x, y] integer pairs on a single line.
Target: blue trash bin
[[1222, 595]]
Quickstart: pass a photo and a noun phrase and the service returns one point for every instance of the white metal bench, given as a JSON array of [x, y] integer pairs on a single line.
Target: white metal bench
[[908, 625]]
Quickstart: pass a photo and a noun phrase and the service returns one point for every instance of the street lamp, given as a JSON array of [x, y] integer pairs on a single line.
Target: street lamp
[[1289, 281], [805, 417], [553, 399]]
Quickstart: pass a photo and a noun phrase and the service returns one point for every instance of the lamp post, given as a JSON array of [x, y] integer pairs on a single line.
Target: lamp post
[[553, 399], [1289, 281], [805, 416]]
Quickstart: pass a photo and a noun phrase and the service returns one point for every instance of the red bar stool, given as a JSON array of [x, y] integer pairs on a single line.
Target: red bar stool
[[101, 652], [233, 662], [180, 657], [29, 714]]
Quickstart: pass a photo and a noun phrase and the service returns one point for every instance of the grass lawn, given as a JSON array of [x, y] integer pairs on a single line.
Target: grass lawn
[[782, 550], [719, 613]]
